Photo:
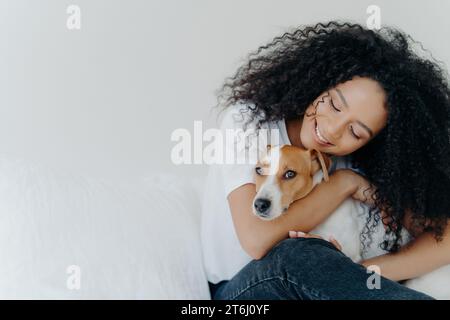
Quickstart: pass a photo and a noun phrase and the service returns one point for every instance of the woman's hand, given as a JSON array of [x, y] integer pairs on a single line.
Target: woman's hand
[[363, 189], [299, 234]]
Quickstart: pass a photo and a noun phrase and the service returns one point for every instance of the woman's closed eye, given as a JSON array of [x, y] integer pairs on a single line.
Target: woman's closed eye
[[332, 105]]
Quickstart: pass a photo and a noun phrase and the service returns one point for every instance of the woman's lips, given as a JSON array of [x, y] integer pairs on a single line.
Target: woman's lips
[[317, 138]]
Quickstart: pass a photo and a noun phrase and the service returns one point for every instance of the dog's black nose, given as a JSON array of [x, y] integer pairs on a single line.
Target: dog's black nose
[[262, 205]]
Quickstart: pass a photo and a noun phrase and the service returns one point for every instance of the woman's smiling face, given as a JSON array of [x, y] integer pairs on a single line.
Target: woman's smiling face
[[347, 116]]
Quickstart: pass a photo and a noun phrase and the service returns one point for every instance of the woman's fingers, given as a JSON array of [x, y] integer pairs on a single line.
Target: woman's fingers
[[310, 235], [336, 243], [385, 219], [299, 234], [293, 234]]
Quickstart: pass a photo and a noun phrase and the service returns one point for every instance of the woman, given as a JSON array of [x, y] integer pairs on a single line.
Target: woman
[[365, 98]]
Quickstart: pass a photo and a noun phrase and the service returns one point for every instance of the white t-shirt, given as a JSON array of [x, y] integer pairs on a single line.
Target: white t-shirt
[[223, 255]]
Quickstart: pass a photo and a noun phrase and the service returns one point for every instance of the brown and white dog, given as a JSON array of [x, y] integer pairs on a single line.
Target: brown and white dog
[[284, 174]]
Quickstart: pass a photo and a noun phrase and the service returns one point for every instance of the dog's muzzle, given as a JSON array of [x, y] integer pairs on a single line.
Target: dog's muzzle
[[262, 207]]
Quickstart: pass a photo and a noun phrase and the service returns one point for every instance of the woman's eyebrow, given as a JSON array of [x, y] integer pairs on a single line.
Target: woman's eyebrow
[[346, 105]]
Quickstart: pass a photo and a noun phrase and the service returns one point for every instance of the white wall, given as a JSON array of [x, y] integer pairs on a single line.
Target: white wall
[[105, 99]]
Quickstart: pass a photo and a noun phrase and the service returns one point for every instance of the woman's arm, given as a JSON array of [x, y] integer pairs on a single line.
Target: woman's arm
[[258, 236], [420, 256]]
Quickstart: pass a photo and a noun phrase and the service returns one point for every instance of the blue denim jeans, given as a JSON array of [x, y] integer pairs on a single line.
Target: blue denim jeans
[[307, 269]]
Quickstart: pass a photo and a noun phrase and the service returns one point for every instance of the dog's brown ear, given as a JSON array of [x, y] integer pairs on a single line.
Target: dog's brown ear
[[320, 161], [263, 152]]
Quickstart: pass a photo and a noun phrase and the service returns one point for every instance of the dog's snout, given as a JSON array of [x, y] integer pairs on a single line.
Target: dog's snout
[[262, 205]]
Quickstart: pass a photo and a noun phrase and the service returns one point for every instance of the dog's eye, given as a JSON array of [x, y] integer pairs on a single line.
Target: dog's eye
[[289, 174], [258, 171]]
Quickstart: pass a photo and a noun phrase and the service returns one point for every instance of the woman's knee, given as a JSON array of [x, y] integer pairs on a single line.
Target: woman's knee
[[291, 256], [282, 268], [296, 254], [302, 248]]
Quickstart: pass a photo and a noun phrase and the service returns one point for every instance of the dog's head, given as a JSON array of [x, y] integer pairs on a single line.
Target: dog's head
[[284, 174]]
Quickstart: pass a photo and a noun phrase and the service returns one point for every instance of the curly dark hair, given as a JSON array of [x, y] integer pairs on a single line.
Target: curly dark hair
[[409, 160]]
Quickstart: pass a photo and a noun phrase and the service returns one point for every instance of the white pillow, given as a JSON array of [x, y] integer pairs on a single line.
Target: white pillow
[[138, 240]]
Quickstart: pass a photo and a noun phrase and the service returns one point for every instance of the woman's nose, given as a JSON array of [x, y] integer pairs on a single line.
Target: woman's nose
[[336, 127]]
